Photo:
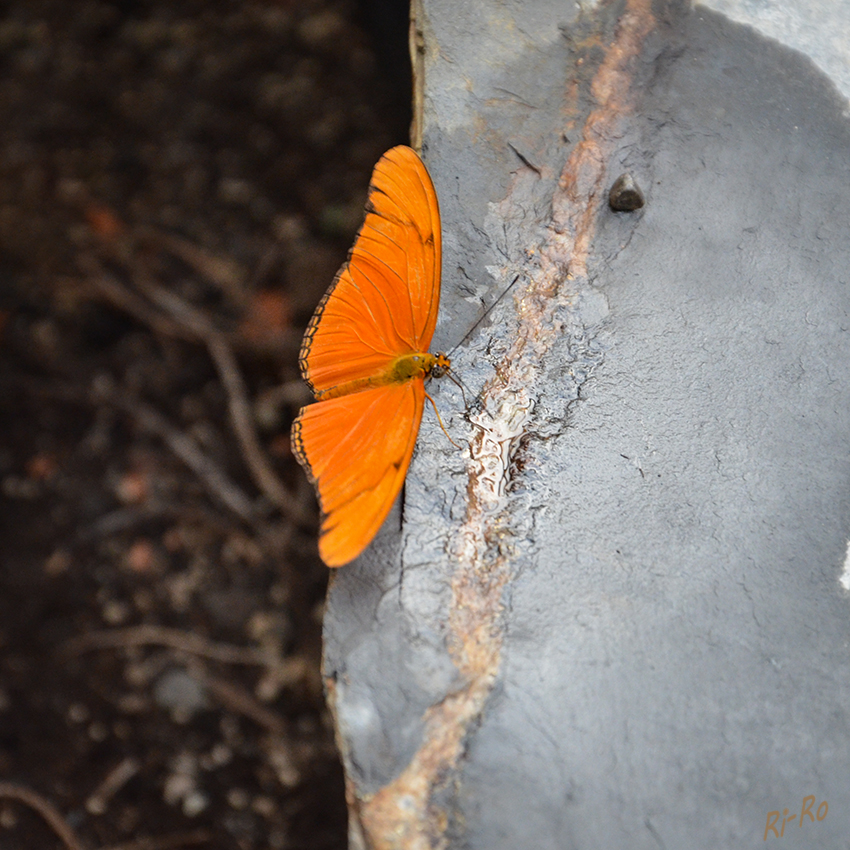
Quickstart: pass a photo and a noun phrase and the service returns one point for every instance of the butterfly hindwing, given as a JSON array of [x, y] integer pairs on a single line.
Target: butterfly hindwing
[[357, 448]]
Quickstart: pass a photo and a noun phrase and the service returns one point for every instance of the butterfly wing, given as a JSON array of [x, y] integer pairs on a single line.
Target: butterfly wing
[[356, 448], [384, 300]]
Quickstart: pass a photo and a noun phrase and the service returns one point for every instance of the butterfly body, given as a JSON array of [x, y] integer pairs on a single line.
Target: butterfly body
[[404, 368], [365, 358]]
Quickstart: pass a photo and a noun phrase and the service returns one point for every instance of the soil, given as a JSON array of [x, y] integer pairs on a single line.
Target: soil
[[179, 182]]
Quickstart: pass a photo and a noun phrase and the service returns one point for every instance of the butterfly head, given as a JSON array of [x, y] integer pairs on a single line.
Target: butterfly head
[[441, 366]]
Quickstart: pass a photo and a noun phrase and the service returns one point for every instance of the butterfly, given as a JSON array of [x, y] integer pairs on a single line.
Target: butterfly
[[365, 358]]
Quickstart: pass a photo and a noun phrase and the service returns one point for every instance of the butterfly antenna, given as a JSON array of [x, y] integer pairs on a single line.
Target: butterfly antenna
[[440, 420], [458, 382], [484, 316]]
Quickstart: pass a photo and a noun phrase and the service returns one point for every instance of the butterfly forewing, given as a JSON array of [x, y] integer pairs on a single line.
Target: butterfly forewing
[[397, 191], [384, 300]]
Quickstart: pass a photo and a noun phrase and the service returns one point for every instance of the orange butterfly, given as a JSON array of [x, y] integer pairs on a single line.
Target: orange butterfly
[[365, 357]]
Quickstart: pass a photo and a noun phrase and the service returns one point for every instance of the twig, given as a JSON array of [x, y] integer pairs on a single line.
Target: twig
[[216, 480], [239, 700], [113, 782], [150, 635], [125, 299], [267, 261], [237, 394], [122, 519], [46, 809], [223, 272], [165, 842], [232, 696], [125, 518]]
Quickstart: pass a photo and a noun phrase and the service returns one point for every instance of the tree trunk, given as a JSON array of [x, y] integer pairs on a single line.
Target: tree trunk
[[619, 617]]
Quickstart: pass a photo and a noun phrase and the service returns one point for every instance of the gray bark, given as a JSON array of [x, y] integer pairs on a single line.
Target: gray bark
[[620, 618]]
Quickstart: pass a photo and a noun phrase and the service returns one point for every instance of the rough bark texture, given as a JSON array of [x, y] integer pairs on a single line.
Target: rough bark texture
[[618, 619]]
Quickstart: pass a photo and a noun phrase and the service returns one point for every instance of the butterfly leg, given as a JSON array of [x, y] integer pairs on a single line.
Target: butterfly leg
[[440, 420]]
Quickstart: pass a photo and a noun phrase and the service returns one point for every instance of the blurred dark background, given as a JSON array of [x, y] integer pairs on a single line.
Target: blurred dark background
[[159, 651]]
